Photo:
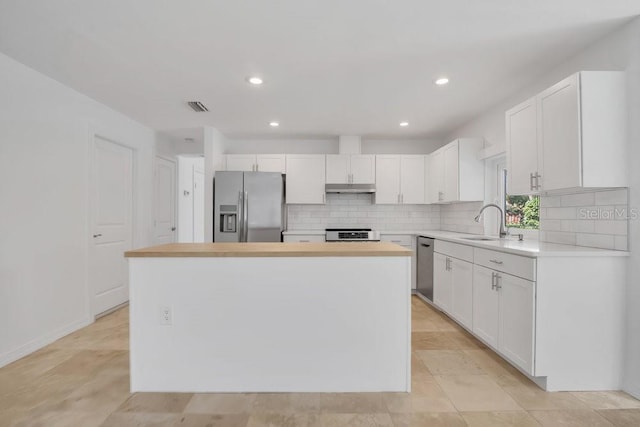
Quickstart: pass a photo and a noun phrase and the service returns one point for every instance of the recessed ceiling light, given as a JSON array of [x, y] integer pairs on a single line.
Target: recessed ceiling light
[[274, 124], [442, 81], [254, 80], [403, 124]]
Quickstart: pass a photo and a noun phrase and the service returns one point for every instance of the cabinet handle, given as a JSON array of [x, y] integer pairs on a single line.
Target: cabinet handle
[[396, 241], [97, 235], [531, 184], [495, 261], [498, 285], [302, 241], [257, 167], [493, 280], [323, 198], [538, 176]]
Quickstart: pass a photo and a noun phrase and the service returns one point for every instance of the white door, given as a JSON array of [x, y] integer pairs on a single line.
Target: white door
[[111, 224], [522, 148], [559, 114], [451, 172], [412, 180], [486, 306], [363, 169], [241, 162], [387, 179], [517, 319], [165, 201], [338, 168], [198, 205], [306, 179], [462, 290], [270, 163], [441, 282]]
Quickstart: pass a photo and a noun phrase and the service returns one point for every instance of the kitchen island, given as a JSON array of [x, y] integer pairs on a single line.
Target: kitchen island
[[270, 317]]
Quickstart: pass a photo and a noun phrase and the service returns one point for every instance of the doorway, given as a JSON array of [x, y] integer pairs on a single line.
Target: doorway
[[164, 205], [111, 222]]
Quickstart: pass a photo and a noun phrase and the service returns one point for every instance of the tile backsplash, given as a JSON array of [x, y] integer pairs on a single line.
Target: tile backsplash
[[351, 210], [596, 219], [460, 217]]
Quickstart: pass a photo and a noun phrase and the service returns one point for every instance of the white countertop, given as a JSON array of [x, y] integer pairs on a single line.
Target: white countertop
[[528, 247]]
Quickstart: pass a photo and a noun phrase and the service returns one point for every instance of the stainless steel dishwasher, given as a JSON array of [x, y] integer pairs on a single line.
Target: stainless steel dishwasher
[[424, 284]]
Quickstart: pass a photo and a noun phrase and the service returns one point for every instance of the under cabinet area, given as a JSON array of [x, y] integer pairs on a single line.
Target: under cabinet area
[[557, 318], [303, 238], [572, 135]]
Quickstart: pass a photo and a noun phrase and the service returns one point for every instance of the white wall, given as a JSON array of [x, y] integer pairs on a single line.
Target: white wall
[[214, 147], [44, 169], [329, 146], [170, 146], [617, 51]]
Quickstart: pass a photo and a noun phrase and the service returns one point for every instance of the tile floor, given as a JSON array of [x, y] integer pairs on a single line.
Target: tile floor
[[83, 380]]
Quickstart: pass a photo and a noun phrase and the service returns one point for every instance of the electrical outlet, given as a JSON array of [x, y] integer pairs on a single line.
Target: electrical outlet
[[165, 315]]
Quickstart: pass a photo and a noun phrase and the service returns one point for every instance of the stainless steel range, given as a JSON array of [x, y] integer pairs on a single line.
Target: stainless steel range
[[351, 235]]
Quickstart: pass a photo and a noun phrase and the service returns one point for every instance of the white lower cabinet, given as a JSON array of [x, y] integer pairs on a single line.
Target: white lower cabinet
[[504, 314], [303, 238], [453, 287], [407, 241]]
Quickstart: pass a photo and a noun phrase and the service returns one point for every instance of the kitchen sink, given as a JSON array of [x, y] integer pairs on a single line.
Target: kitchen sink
[[482, 238]]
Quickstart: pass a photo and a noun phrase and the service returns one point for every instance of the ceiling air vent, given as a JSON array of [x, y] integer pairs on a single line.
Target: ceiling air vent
[[197, 106]]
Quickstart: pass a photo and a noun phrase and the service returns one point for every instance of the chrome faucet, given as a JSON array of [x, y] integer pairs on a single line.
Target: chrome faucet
[[503, 233]]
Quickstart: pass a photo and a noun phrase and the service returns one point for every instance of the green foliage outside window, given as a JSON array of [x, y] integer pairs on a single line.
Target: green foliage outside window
[[523, 212]]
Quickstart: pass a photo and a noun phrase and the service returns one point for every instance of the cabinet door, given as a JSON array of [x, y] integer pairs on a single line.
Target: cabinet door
[[486, 306], [412, 180], [462, 291], [522, 147], [559, 118], [271, 163], [517, 301], [337, 168], [241, 162], [442, 294], [451, 175], [363, 169], [305, 179], [436, 177], [387, 179]]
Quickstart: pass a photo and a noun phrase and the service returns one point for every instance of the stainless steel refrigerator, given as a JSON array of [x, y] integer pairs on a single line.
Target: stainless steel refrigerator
[[248, 207]]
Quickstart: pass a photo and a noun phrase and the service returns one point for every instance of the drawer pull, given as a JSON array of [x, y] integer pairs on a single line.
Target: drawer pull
[[396, 241], [302, 241], [495, 261]]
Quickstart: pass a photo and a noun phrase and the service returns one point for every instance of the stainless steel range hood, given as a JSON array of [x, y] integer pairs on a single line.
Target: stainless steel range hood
[[350, 188]]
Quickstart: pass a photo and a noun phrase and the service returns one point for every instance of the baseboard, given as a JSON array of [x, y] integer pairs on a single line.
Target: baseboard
[[38, 343], [633, 391]]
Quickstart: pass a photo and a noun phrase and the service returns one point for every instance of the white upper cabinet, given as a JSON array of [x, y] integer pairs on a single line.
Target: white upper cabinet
[[256, 162], [241, 162], [572, 135], [455, 173], [351, 169], [305, 178], [522, 147], [400, 179]]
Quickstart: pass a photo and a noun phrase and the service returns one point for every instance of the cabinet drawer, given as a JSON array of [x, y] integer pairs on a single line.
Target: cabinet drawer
[[303, 238], [507, 263], [455, 250], [399, 239]]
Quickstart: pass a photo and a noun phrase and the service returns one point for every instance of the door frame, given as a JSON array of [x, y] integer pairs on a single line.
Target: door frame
[[175, 195], [96, 132]]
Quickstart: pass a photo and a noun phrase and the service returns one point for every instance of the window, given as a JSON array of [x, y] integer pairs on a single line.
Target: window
[[520, 211]]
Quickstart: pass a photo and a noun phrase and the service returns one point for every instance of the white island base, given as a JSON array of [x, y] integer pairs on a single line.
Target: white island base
[[270, 324]]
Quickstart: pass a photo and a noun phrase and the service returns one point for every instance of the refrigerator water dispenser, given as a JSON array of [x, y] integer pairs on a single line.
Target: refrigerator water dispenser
[[228, 219]]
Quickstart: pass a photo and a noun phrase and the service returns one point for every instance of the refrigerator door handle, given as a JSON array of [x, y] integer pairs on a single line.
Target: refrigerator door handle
[[245, 213], [240, 215]]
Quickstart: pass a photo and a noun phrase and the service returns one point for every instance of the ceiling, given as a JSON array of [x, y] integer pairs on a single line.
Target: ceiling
[[330, 67]]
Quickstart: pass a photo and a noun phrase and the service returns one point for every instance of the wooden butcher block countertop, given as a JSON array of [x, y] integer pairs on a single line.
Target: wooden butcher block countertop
[[346, 249]]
